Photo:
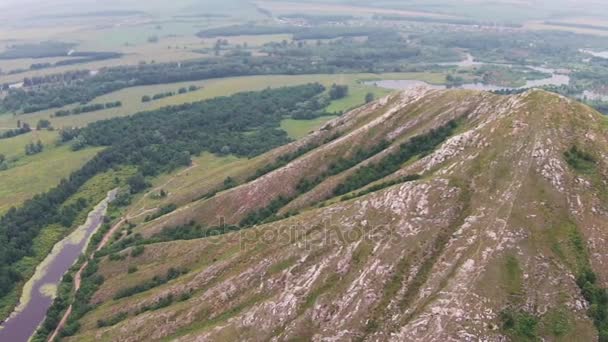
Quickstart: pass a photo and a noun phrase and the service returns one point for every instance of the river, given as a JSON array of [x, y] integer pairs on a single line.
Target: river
[[37, 295], [556, 79]]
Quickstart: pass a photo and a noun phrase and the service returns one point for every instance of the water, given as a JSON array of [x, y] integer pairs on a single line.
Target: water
[[600, 54], [592, 95], [555, 79], [23, 323], [469, 61]]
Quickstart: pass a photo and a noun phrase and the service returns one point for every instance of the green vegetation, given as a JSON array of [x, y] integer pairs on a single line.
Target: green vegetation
[[172, 273], [162, 211], [380, 186], [34, 148], [338, 91], [137, 251], [297, 129], [268, 213], [417, 146], [299, 33], [25, 128], [218, 125], [25, 176], [112, 320], [521, 325], [159, 96], [43, 49], [88, 108], [60, 304], [381, 52], [513, 277], [580, 160], [598, 301]]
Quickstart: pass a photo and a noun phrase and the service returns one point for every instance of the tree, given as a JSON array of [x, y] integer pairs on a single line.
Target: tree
[[338, 91], [43, 123], [34, 148], [137, 183], [217, 47], [369, 97], [145, 98]]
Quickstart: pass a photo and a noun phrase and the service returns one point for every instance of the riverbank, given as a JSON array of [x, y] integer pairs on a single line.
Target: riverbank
[[40, 290]]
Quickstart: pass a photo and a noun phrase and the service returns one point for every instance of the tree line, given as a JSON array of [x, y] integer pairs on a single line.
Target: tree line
[[381, 52], [244, 124]]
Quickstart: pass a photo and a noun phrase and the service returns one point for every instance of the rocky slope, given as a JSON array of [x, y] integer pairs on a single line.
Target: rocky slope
[[486, 244]]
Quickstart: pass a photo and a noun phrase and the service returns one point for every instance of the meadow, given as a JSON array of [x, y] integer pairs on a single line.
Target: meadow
[[30, 175], [131, 97], [297, 129]]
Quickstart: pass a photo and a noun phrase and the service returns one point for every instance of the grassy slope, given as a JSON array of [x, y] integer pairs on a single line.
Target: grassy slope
[[297, 129], [207, 172], [502, 281]]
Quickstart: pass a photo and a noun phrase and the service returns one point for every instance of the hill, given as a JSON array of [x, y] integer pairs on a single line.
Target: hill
[[426, 215]]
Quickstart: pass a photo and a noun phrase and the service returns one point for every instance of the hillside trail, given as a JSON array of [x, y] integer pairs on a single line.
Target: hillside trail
[[158, 188], [78, 276], [498, 223], [106, 239]]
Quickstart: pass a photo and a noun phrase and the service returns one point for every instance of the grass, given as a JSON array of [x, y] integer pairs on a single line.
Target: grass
[[14, 148], [183, 186], [131, 97], [297, 129], [513, 276], [34, 267], [580, 160], [520, 325], [38, 173]]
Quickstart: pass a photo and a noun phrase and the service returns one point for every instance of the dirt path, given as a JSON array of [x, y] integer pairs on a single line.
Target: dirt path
[[106, 239], [158, 188], [78, 276]]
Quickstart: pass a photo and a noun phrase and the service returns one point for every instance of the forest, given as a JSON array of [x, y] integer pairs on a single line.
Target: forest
[[244, 124], [381, 52]]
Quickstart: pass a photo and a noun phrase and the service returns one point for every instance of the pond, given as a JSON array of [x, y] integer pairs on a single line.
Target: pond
[[38, 292]]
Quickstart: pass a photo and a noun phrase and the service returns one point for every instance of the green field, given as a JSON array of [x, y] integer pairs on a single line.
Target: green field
[[131, 97], [297, 129], [30, 175]]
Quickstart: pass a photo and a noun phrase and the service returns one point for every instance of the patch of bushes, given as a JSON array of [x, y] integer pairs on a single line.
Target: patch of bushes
[[137, 251], [268, 213], [88, 108], [172, 273], [182, 90], [580, 160], [381, 186], [164, 210], [25, 128], [417, 146], [598, 301], [112, 320], [521, 325]]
